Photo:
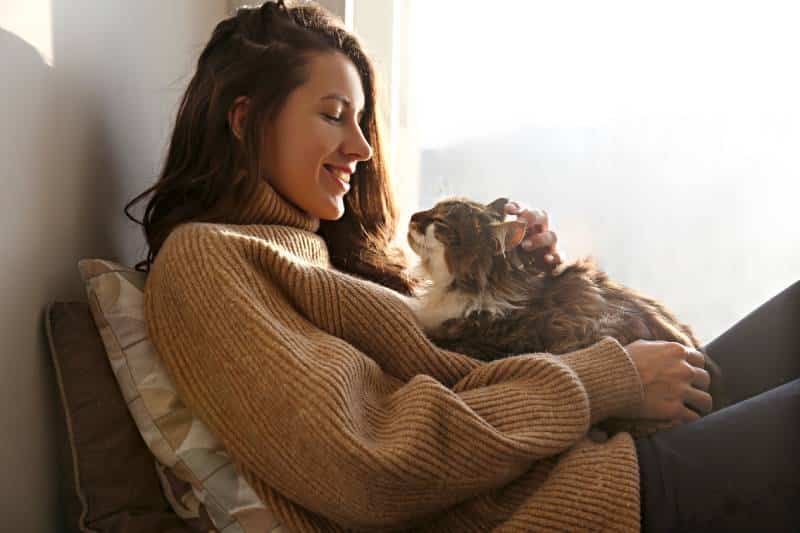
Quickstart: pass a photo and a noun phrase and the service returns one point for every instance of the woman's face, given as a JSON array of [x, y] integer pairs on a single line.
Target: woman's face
[[313, 145]]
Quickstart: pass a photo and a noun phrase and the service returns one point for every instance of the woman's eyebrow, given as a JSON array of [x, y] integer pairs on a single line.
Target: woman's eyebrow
[[345, 100]]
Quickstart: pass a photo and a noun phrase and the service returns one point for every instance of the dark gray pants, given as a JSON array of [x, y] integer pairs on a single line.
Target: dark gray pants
[[737, 469]]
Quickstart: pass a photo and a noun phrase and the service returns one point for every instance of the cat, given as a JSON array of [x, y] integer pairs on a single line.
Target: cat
[[487, 298]]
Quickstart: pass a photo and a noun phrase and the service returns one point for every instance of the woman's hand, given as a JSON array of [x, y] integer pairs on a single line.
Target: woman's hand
[[538, 237], [674, 380]]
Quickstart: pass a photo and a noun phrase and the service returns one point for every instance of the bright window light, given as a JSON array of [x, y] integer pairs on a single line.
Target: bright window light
[[662, 137]]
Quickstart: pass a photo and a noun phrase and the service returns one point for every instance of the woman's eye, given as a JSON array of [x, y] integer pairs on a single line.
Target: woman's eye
[[332, 118]]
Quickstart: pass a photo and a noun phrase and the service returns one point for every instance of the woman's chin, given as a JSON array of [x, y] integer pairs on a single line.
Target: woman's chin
[[332, 211], [331, 218]]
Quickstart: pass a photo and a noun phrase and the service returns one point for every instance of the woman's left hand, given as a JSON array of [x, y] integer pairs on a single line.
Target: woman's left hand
[[539, 238]]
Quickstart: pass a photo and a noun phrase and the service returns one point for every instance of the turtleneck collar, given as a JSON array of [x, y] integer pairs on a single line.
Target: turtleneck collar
[[267, 206]]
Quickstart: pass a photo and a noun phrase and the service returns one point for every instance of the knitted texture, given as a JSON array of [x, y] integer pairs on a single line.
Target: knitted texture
[[341, 414]]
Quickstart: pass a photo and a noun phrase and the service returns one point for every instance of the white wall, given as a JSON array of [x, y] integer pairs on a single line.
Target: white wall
[[88, 92]]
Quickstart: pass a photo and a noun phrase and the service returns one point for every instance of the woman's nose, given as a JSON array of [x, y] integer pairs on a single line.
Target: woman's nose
[[358, 147]]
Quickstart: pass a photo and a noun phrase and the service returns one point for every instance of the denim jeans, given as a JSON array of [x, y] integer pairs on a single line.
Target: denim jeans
[[736, 469]]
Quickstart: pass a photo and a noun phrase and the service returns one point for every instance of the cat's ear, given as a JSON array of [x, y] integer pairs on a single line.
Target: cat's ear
[[508, 235], [498, 205]]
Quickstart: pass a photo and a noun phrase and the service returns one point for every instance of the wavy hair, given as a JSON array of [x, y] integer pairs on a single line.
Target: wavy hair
[[263, 53]]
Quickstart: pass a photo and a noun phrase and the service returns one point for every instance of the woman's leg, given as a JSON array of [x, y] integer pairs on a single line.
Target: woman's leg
[[761, 351], [736, 469]]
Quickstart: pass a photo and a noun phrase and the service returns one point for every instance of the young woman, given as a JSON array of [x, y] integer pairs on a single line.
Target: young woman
[[273, 298]]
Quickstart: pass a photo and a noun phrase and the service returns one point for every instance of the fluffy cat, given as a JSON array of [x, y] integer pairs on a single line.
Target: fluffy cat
[[486, 299]]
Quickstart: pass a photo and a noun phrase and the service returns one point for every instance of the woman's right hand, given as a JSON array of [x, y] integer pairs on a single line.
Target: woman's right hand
[[674, 380]]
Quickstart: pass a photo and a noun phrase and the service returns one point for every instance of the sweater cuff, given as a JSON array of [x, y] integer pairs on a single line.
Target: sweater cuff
[[610, 378]]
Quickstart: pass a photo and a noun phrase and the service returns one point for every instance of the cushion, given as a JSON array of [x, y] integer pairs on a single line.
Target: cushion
[[196, 474], [108, 481]]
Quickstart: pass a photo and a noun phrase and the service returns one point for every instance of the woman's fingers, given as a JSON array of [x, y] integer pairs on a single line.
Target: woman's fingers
[[543, 240], [538, 235], [533, 217], [698, 400], [674, 380], [695, 357], [701, 379], [554, 258], [689, 416]]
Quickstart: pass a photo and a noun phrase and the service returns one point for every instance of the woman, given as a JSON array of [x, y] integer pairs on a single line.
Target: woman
[[273, 299]]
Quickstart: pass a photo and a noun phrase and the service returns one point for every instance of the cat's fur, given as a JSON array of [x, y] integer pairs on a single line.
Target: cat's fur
[[487, 299]]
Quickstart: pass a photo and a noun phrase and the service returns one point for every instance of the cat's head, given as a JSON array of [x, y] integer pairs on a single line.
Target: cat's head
[[461, 240]]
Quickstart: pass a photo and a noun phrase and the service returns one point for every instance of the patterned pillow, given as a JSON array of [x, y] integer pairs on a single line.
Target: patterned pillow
[[196, 474]]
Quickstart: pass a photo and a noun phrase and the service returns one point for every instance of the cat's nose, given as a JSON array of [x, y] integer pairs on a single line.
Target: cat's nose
[[419, 218]]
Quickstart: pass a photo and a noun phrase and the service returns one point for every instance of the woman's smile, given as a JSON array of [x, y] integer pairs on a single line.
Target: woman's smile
[[339, 177]]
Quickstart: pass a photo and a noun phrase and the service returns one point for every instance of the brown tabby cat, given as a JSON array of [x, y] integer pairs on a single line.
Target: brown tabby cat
[[486, 299]]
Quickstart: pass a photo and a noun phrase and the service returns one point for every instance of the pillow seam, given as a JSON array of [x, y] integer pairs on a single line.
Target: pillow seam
[[68, 420]]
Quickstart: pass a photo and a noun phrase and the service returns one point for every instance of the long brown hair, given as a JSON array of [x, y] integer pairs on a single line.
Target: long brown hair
[[263, 52]]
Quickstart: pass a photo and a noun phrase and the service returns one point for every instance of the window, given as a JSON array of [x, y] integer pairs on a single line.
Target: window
[[662, 138]]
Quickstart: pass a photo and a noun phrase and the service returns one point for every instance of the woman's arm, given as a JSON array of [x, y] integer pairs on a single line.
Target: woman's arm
[[316, 418]]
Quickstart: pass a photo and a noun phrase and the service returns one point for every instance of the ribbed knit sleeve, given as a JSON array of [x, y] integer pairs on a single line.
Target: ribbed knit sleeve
[[341, 413]]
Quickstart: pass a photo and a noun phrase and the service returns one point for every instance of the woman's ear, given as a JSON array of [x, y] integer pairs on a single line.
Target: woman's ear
[[237, 114]]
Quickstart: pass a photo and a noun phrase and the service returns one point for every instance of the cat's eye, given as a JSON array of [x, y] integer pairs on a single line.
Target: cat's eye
[[446, 232]]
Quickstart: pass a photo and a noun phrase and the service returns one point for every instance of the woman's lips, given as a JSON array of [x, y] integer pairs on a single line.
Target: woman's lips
[[337, 176], [339, 173]]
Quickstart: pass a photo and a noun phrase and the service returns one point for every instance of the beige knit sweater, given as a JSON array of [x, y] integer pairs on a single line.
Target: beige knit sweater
[[342, 415]]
